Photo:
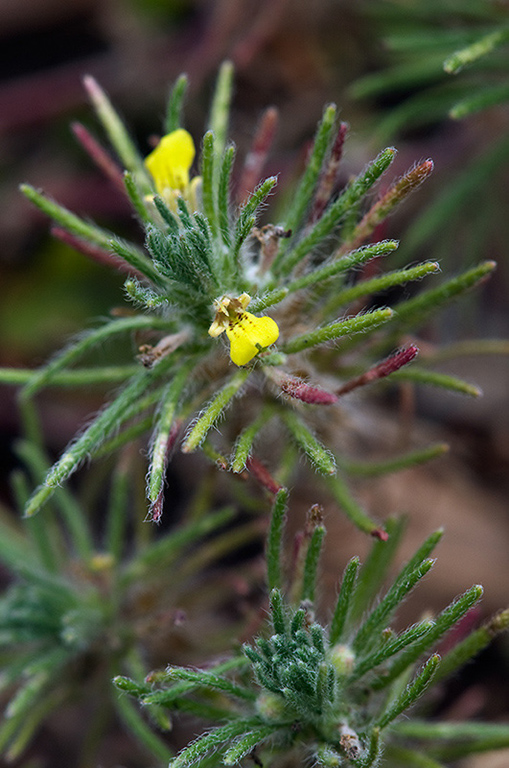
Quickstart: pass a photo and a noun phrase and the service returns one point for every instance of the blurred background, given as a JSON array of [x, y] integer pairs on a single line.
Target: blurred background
[[382, 62]]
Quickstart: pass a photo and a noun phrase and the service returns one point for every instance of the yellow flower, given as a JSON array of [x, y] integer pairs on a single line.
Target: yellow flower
[[169, 163], [247, 333]]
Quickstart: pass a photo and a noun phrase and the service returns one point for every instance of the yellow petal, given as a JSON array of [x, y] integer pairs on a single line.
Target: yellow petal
[[170, 161], [248, 335]]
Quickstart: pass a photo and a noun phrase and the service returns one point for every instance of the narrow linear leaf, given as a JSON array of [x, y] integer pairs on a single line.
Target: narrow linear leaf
[[329, 175], [414, 309], [390, 649], [380, 284], [379, 617], [173, 119], [246, 218], [443, 622], [471, 53], [357, 324], [381, 370], [137, 259], [211, 740], [66, 218], [304, 194], [268, 299], [243, 746], [211, 680], [220, 110], [351, 508], [279, 618], [310, 572], [258, 152], [274, 539], [337, 210], [487, 98], [412, 692], [104, 424], [99, 155], [410, 758], [437, 731], [321, 459], [436, 379], [340, 616], [223, 195], [411, 459], [136, 197], [473, 644], [86, 341], [337, 265], [398, 192], [159, 448], [207, 174], [117, 133], [214, 410]]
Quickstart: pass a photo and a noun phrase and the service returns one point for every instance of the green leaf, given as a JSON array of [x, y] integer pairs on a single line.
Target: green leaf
[[274, 539], [357, 324], [321, 458], [411, 693], [173, 119]]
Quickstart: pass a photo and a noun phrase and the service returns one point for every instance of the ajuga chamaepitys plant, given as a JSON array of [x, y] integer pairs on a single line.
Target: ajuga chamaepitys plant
[[247, 323], [330, 694], [240, 316]]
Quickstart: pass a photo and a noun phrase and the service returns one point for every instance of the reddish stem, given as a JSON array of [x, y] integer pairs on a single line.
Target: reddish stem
[[95, 253], [330, 175], [257, 155], [99, 156], [385, 368], [262, 475]]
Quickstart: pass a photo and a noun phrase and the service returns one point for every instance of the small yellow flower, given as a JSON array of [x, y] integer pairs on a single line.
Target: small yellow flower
[[169, 164], [247, 333]]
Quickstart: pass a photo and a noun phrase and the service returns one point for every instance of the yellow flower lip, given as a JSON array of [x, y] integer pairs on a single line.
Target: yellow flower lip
[[169, 163], [247, 333]]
